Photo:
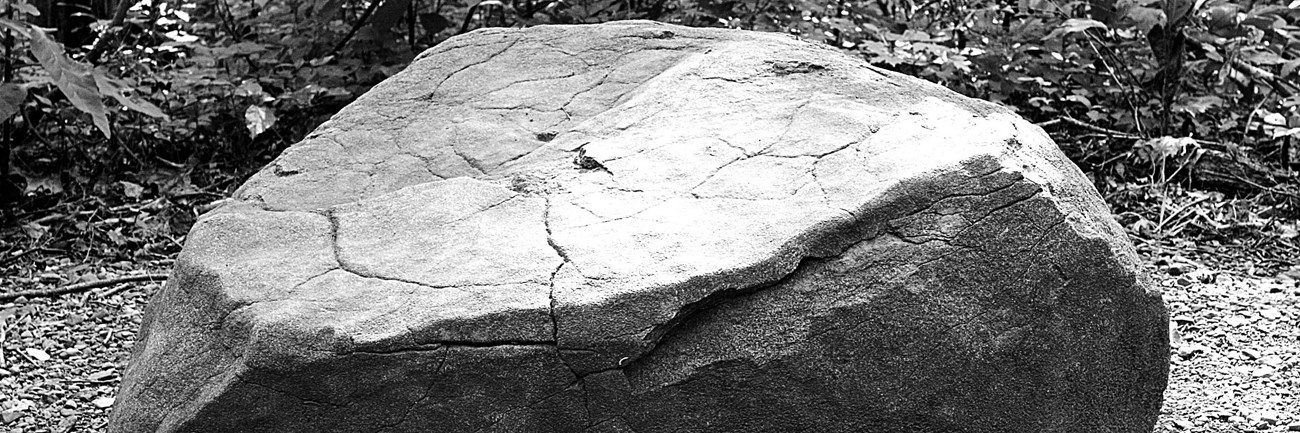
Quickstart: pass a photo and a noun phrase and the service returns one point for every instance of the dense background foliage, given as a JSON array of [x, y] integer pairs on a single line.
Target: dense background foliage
[[124, 120]]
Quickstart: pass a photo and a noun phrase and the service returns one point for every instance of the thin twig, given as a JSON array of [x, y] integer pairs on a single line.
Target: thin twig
[[1245, 128], [1091, 127], [6, 297], [1260, 74], [114, 290], [15, 257], [1113, 158], [1184, 208], [1266, 188]]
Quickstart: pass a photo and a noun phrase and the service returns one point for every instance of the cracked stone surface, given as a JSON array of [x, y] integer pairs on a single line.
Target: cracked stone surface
[[639, 227]]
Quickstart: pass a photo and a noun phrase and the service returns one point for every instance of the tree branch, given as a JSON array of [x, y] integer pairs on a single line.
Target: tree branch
[[119, 17], [361, 21], [1090, 127]]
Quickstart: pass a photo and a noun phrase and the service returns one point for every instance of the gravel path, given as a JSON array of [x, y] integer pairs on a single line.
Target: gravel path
[[1236, 360]]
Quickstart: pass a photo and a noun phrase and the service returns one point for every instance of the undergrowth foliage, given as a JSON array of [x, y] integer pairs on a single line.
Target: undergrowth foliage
[[169, 105]]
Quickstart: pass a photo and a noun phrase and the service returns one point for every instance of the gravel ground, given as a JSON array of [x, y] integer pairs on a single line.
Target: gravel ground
[[1236, 357]]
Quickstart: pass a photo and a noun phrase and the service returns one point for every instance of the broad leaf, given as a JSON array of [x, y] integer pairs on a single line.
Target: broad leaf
[[1177, 10], [258, 119], [131, 189], [27, 8], [1074, 25], [245, 48], [114, 88], [389, 14], [324, 10], [434, 23], [1039, 5], [1158, 149], [1139, 14], [1145, 18], [15, 26], [73, 78], [1289, 67], [1285, 132], [1261, 56], [1222, 16], [249, 88], [11, 99]]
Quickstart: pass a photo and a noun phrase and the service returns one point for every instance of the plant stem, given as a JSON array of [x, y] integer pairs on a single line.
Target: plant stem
[[365, 16], [6, 131]]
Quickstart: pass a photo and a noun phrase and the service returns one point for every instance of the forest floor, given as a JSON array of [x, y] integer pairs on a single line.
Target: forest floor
[[1235, 363]]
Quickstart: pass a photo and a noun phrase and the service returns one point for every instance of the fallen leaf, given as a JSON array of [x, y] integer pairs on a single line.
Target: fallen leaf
[[99, 375], [130, 189], [258, 119], [249, 88], [38, 354], [1237, 321]]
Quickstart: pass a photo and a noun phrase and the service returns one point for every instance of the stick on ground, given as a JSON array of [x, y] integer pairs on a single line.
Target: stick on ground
[[81, 287]]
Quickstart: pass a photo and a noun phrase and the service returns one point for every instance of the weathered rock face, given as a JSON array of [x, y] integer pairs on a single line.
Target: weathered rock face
[[638, 227]]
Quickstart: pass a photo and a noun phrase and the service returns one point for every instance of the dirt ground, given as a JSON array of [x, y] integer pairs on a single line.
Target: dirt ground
[[1235, 361]]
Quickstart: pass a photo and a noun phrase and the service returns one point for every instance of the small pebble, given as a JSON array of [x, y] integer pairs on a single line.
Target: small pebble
[[1183, 424]]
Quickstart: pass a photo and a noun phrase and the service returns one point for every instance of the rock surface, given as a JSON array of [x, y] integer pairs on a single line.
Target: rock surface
[[638, 227]]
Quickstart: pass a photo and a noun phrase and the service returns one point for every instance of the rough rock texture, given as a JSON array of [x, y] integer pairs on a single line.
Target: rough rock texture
[[638, 227]]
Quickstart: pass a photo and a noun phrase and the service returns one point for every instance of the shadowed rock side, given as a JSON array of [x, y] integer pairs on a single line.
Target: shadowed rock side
[[639, 227]]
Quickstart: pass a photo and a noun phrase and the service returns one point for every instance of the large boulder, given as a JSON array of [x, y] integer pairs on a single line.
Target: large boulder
[[639, 227]]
